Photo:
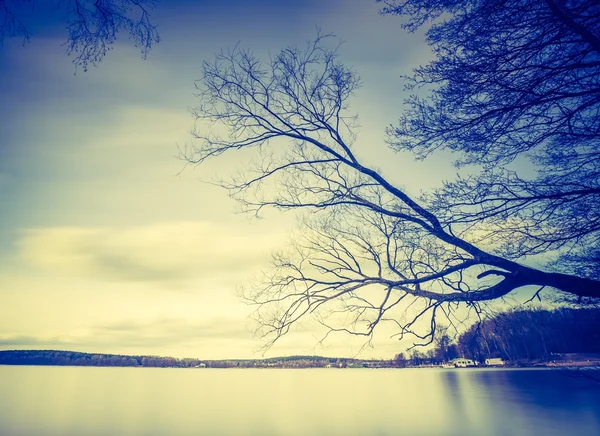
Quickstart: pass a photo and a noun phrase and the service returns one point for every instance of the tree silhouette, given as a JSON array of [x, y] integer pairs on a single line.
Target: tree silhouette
[[514, 87], [371, 251], [92, 26]]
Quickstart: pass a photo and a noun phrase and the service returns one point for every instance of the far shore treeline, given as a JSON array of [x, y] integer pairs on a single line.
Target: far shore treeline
[[73, 358], [519, 337], [522, 337]]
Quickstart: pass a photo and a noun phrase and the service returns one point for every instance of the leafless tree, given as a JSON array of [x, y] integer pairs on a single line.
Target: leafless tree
[[514, 87], [369, 253], [92, 25]]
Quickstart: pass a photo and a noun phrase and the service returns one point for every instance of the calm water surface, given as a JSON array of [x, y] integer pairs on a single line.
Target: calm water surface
[[152, 401]]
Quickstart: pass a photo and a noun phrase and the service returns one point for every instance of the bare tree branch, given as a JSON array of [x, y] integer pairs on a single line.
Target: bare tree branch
[[92, 25], [370, 254]]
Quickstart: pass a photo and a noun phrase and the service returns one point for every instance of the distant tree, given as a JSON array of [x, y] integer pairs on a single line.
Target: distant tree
[[444, 349], [92, 25], [370, 253], [452, 352], [400, 360], [417, 358], [514, 90]]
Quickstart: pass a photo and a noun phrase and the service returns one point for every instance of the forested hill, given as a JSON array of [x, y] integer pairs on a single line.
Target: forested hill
[[523, 335], [74, 358]]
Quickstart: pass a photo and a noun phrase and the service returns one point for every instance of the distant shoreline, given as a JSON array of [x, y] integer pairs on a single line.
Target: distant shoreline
[[74, 358]]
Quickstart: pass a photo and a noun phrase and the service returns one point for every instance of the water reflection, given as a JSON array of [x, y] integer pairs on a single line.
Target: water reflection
[[150, 401], [523, 402]]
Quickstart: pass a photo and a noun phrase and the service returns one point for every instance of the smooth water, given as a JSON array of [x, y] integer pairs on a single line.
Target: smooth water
[[81, 401]]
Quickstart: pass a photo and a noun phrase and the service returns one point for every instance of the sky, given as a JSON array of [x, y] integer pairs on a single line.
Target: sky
[[107, 243]]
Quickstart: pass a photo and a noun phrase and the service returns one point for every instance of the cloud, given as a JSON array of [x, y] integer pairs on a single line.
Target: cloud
[[172, 331], [165, 333], [23, 340], [170, 253]]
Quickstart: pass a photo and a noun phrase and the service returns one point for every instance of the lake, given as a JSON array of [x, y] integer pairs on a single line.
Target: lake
[[42, 400]]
